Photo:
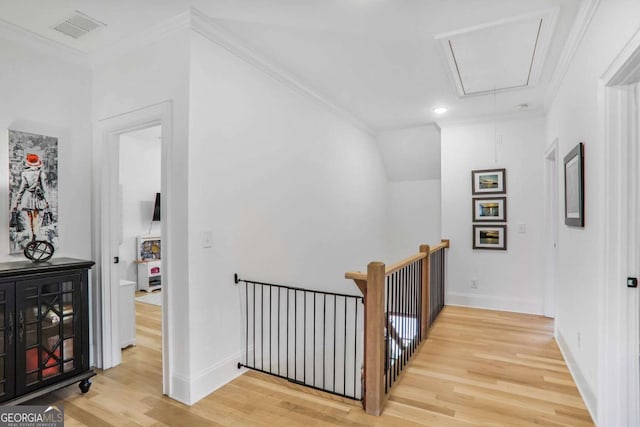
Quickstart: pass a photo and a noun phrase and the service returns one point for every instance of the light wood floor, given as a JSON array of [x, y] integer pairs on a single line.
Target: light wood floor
[[478, 367]]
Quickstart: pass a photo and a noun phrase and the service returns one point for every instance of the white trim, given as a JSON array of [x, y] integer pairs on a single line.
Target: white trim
[[514, 116], [586, 391], [45, 45], [618, 333], [107, 133], [203, 25], [216, 376], [200, 23], [552, 220], [144, 38], [578, 30], [489, 302]]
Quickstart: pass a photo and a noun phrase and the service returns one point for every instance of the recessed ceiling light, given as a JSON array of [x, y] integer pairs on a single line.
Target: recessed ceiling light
[[440, 110]]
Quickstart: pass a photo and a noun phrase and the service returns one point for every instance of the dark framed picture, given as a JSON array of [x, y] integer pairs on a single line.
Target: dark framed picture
[[574, 187], [492, 209], [490, 237], [488, 181]]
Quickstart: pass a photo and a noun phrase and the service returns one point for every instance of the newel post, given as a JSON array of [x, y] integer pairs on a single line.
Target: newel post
[[426, 277], [374, 339]]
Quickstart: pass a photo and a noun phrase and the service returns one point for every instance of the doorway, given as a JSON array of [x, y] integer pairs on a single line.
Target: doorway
[[551, 227], [107, 218], [139, 268], [619, 373]]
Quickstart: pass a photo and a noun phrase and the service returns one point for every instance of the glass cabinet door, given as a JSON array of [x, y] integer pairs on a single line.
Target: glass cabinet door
[[7, 341], [48, 330]]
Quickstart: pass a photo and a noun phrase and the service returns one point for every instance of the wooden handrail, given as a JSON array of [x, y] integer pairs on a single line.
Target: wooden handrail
[[398, 265], [442, 245], [356, 275]]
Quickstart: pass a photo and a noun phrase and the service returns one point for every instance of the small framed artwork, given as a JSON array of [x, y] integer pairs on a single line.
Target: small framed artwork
[[490, 209], [574, 187], [489, 181], [490, 237]]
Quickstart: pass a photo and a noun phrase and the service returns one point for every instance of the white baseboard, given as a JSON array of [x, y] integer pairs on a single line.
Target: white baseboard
[[518, 305], [180, 389], [211, 379], [189, 390], [585, 390]]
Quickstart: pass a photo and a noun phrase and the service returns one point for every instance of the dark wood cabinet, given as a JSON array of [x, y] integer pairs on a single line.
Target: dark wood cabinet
[[44, 328]]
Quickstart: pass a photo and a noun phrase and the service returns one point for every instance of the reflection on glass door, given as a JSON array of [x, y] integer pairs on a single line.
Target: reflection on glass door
[[49, 318]]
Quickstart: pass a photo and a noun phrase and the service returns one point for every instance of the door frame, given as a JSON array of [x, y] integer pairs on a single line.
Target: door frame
[[551, 226], [105, 205], [618, 370]]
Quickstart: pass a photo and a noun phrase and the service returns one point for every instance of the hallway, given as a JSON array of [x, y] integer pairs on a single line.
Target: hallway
[[478, 367]]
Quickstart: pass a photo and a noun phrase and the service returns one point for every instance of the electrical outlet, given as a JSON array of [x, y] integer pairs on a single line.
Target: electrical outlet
[[474, 283]]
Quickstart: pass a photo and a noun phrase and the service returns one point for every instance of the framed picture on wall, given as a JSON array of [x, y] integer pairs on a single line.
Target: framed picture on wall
[[574, 187], [490, 209], [490, 237], [488, 181]]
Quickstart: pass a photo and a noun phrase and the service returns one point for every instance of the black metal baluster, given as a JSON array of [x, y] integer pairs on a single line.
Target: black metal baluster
[[278, 339], [304, 339], [246, 306], [396, 360], [324, 335], [335, 309], [314, 339], [295, 335], [262, 327], [254, 326], [355, 346], [270, 329], [344, 351], [387, 344], [288, 333]]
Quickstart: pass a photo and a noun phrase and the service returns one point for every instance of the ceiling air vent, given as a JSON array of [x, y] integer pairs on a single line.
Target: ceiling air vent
[[77, 25]]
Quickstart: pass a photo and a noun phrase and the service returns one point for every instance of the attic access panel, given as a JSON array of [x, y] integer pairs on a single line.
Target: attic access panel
[[503, 55]]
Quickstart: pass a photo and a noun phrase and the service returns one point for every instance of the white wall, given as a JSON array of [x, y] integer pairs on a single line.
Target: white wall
[[140, 179], [574, 117], [510, 280], [411, 158], [413, 218], [44, 94], [291, 193], [138, 78]]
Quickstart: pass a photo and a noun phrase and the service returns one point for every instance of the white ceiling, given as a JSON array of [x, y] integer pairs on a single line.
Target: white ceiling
[[378, 59]]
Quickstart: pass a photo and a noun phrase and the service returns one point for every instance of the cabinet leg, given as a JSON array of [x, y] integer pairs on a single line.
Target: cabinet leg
[[85, 385]]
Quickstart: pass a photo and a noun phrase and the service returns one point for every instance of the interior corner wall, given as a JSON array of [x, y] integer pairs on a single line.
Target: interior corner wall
[[574, 117], [413, 217], [136, 79], [511, 280], [290, 192], [140, 174], [44, 94]]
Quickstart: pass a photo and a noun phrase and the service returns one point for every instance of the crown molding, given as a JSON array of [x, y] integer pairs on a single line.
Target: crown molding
[[625, 68], [507, 117], [205, 26], [195, 20], [578, 30], [139, 40], [42, 44]]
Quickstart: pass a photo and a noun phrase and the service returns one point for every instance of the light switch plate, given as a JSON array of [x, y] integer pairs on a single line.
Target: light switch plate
[[207, 239]]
